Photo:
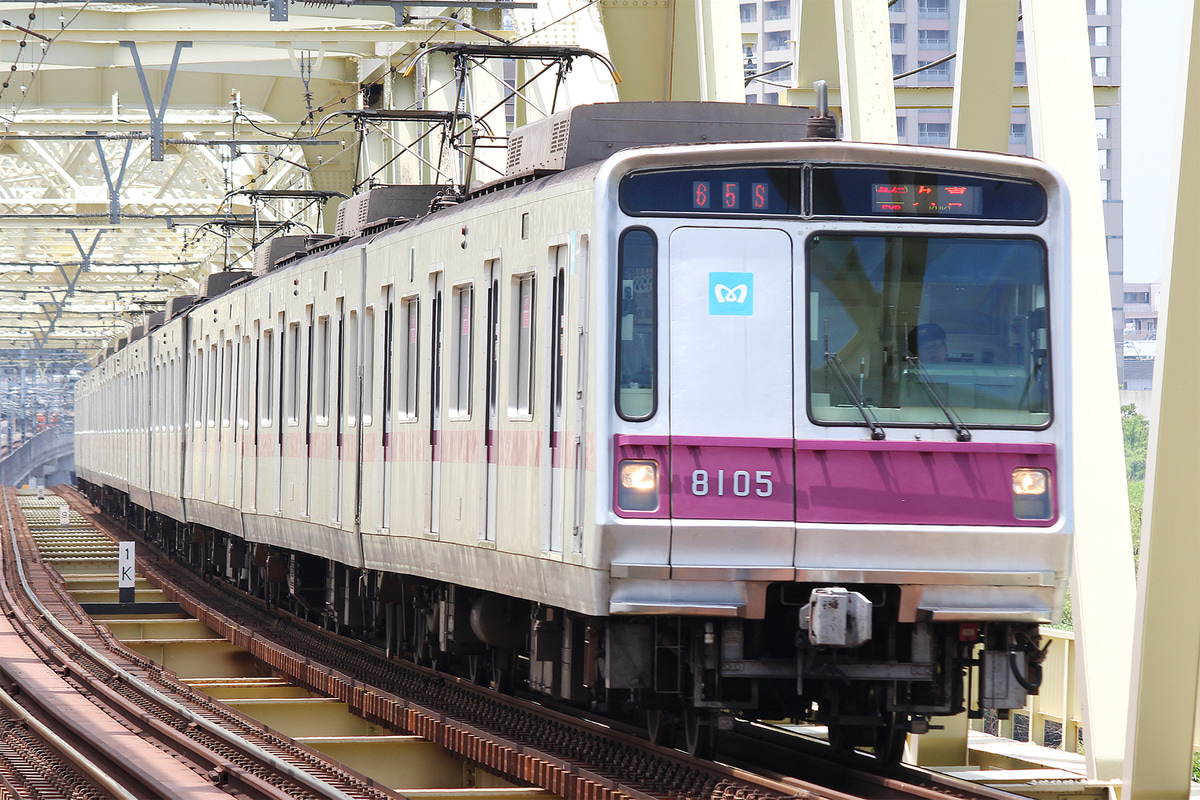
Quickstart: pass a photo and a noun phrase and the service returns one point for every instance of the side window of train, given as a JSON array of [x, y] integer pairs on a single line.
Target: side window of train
[[293, 374], [389, 356], [350, 403], [227, 384], [266, 389], [320, 362], [248, 374], [521, 395], [409, 354], [637, 325], [214, 375], [196, 393], [461, 339], [368, 364]]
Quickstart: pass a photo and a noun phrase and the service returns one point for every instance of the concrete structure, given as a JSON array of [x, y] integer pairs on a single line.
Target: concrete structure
[[47, 458]]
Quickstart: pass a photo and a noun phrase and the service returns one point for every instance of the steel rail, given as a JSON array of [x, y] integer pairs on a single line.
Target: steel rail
[[280, 766], [78, 759], [86, 766]]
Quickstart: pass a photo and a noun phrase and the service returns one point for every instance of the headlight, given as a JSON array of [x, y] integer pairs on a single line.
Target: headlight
[[1030, 481], [1032, 498], [637, 486]]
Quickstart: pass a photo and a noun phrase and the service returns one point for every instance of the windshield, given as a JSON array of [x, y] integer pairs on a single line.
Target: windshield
[[921, 330]]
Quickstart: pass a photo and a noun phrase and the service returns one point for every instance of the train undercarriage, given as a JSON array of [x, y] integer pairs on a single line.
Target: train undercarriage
[[823, 655]]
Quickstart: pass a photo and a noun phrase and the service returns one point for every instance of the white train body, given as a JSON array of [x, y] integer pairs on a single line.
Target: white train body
[[669, 402]]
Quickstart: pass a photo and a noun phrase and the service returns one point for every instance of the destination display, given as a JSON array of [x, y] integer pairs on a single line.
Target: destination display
[[875, 192], [925, 200], [839, 191]]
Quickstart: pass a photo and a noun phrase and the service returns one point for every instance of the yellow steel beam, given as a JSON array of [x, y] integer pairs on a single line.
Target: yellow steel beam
[[983, 86]]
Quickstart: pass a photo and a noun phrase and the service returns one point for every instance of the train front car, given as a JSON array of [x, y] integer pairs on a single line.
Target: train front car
[[839, 434]]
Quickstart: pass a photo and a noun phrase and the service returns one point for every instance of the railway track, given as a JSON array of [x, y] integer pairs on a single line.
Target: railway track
[[84, 755], [522, 741]]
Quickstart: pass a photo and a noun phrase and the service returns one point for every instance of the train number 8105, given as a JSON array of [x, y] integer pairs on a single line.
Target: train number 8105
[[739, 483]]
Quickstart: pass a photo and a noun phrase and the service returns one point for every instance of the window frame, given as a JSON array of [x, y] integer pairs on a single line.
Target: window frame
[[462, 348], [619, 305], [523, 366], [1052, 412]]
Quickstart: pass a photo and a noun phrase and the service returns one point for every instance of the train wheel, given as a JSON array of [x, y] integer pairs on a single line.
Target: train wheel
[[891, 738], [661, 727], [479, 672], [699, 733]]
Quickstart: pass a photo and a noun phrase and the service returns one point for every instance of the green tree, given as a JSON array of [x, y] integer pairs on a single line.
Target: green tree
[[1136, 430], [1136, 491]]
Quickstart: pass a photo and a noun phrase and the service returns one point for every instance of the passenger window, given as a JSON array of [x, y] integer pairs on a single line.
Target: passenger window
[[389, 332], [409, 354], [267, 388], [321, 365], [293, 374], [636, 325], [247, 390], [521, 398], [227, 383], [214, 375], [350, 386], [461, 341], [368, 363]]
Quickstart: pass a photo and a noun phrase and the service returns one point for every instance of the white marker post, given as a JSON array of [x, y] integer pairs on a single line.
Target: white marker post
[[125, 566], [64, 517]]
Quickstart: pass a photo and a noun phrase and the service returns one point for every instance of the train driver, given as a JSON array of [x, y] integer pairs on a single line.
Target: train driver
[[928, 342]]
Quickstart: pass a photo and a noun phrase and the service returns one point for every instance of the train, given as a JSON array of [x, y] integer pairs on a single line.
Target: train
[[690, 417]]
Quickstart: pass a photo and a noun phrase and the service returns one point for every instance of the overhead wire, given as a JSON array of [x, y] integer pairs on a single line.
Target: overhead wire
[[13, 69]]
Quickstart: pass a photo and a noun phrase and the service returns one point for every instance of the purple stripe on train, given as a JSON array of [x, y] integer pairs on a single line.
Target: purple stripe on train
[[870, 483]]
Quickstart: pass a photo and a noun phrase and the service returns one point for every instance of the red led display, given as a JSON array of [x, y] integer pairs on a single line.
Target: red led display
[[729, 195], [758, 194], [924, 199]]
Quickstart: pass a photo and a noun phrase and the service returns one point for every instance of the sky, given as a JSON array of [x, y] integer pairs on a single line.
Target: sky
[[1151, 48]]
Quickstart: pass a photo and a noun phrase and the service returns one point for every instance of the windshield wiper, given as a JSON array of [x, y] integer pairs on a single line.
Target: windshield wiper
[[843, 376], [964, 435]]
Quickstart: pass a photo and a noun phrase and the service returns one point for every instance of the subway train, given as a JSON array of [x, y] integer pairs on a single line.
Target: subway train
[[688, 417]]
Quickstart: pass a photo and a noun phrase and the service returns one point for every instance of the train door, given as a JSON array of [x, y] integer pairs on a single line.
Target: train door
[[351, 415], [339, 411], [220, 415], [552, 486], [235, 390], [492, 379], [385, 416], [730, 396], [580, 270], [253, 415], [435, 406], [277, 410], [202, 367], [308, 416]]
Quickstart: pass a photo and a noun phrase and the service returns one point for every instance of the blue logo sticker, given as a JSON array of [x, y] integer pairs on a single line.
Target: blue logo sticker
[[731, 293]]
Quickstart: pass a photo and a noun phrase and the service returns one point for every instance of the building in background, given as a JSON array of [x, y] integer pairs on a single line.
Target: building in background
[[1141, 305], [923, 36], [1141, 311]]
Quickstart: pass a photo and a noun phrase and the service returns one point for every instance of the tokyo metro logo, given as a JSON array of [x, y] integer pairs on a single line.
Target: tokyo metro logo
[[731, 293]]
